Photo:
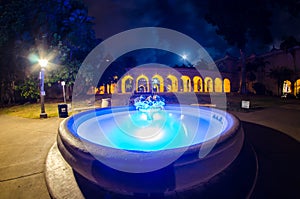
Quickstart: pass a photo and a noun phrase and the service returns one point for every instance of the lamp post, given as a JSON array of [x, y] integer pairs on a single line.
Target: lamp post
[[63, 83], [43, 63]]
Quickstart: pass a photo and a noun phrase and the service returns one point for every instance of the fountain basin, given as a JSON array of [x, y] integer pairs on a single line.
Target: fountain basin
[[126, 152]]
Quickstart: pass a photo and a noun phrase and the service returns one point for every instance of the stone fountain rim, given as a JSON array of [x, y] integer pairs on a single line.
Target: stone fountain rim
[[79, 143]]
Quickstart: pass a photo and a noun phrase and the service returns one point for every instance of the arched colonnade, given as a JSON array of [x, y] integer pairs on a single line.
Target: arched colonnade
[[170, 83]]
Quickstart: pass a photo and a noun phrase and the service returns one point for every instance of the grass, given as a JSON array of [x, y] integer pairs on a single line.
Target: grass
[[30, 110]]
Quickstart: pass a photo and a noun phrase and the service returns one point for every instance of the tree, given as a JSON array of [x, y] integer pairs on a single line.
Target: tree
[[29, 88], [236, 20], [12, 19], [288, 45], [242, 21], [252, 67], [57, 28]]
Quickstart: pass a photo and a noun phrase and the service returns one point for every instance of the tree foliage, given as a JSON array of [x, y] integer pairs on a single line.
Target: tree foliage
[[239, 21], [59, 30], [28, 88], [288, 45]]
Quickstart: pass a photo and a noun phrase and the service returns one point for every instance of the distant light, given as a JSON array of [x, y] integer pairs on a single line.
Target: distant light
[[63, 83], [107, 60], [184, 56], [43, 63]]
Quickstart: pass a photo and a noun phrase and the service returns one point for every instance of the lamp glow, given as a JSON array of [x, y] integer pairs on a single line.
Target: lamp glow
[[43, 63]]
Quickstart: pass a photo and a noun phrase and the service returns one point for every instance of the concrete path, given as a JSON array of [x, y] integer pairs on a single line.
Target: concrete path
[[285, 118], [24, 144]]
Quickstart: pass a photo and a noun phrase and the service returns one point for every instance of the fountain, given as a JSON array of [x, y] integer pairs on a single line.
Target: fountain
[[150, 147], [153, 150]]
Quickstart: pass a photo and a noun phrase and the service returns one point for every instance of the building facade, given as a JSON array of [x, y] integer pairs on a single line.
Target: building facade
[[227, 78]]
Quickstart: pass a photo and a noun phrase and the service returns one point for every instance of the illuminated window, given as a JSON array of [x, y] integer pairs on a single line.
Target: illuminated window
[[127, 84], [287, 87], [142, 84], [218, 85], [101, 89], [157, 83], [197, 84], [113, 87], [297, 87], [226, 85], [173, 84], [208, 84], [186, 83]]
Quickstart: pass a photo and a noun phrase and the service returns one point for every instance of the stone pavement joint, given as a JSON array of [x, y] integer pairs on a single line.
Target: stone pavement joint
[[23, 176]]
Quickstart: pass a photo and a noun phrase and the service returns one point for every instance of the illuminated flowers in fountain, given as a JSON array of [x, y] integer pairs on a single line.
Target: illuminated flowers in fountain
[[150, 103]]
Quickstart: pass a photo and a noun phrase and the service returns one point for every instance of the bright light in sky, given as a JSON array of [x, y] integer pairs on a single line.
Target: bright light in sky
[[184, 56]]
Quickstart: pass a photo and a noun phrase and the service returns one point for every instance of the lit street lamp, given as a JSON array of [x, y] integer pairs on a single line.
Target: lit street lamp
[[43, 63]]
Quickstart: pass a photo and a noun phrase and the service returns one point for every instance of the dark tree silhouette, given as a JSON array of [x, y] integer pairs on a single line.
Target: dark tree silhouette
[[60, 28], [239, 21], [288, 45], [252, 67]]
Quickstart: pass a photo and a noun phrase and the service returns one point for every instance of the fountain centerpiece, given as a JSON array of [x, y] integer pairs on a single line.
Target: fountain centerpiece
[[149, 105], [152, 103]]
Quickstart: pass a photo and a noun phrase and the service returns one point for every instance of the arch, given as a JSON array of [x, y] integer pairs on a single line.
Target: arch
[[218, 85], [226, 85], [297, 87], [198, 87], [108, 88], [287, 87], [113, 88], [173, 87], [186, 83], [127, 84], [102, 89], [208, 84], [181, 85], [158, 83], [142, 84]]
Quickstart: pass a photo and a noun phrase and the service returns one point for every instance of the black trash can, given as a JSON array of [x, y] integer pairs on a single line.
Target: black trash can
[[63, 110]]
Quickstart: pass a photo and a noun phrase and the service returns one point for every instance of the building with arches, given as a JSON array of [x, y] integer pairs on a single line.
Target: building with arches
[[158, 79], [277, 60]]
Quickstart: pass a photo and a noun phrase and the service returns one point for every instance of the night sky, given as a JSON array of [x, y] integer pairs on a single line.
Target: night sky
[[114, 16]]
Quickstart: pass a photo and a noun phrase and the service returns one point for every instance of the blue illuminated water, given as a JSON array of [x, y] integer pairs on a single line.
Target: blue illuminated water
[[139, 131]]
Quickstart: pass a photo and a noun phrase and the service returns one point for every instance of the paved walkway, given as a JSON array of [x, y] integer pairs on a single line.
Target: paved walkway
[[24, 144], [284, 118]]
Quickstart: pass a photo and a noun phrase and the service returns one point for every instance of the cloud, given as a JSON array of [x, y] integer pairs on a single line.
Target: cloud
[[115, 16]]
